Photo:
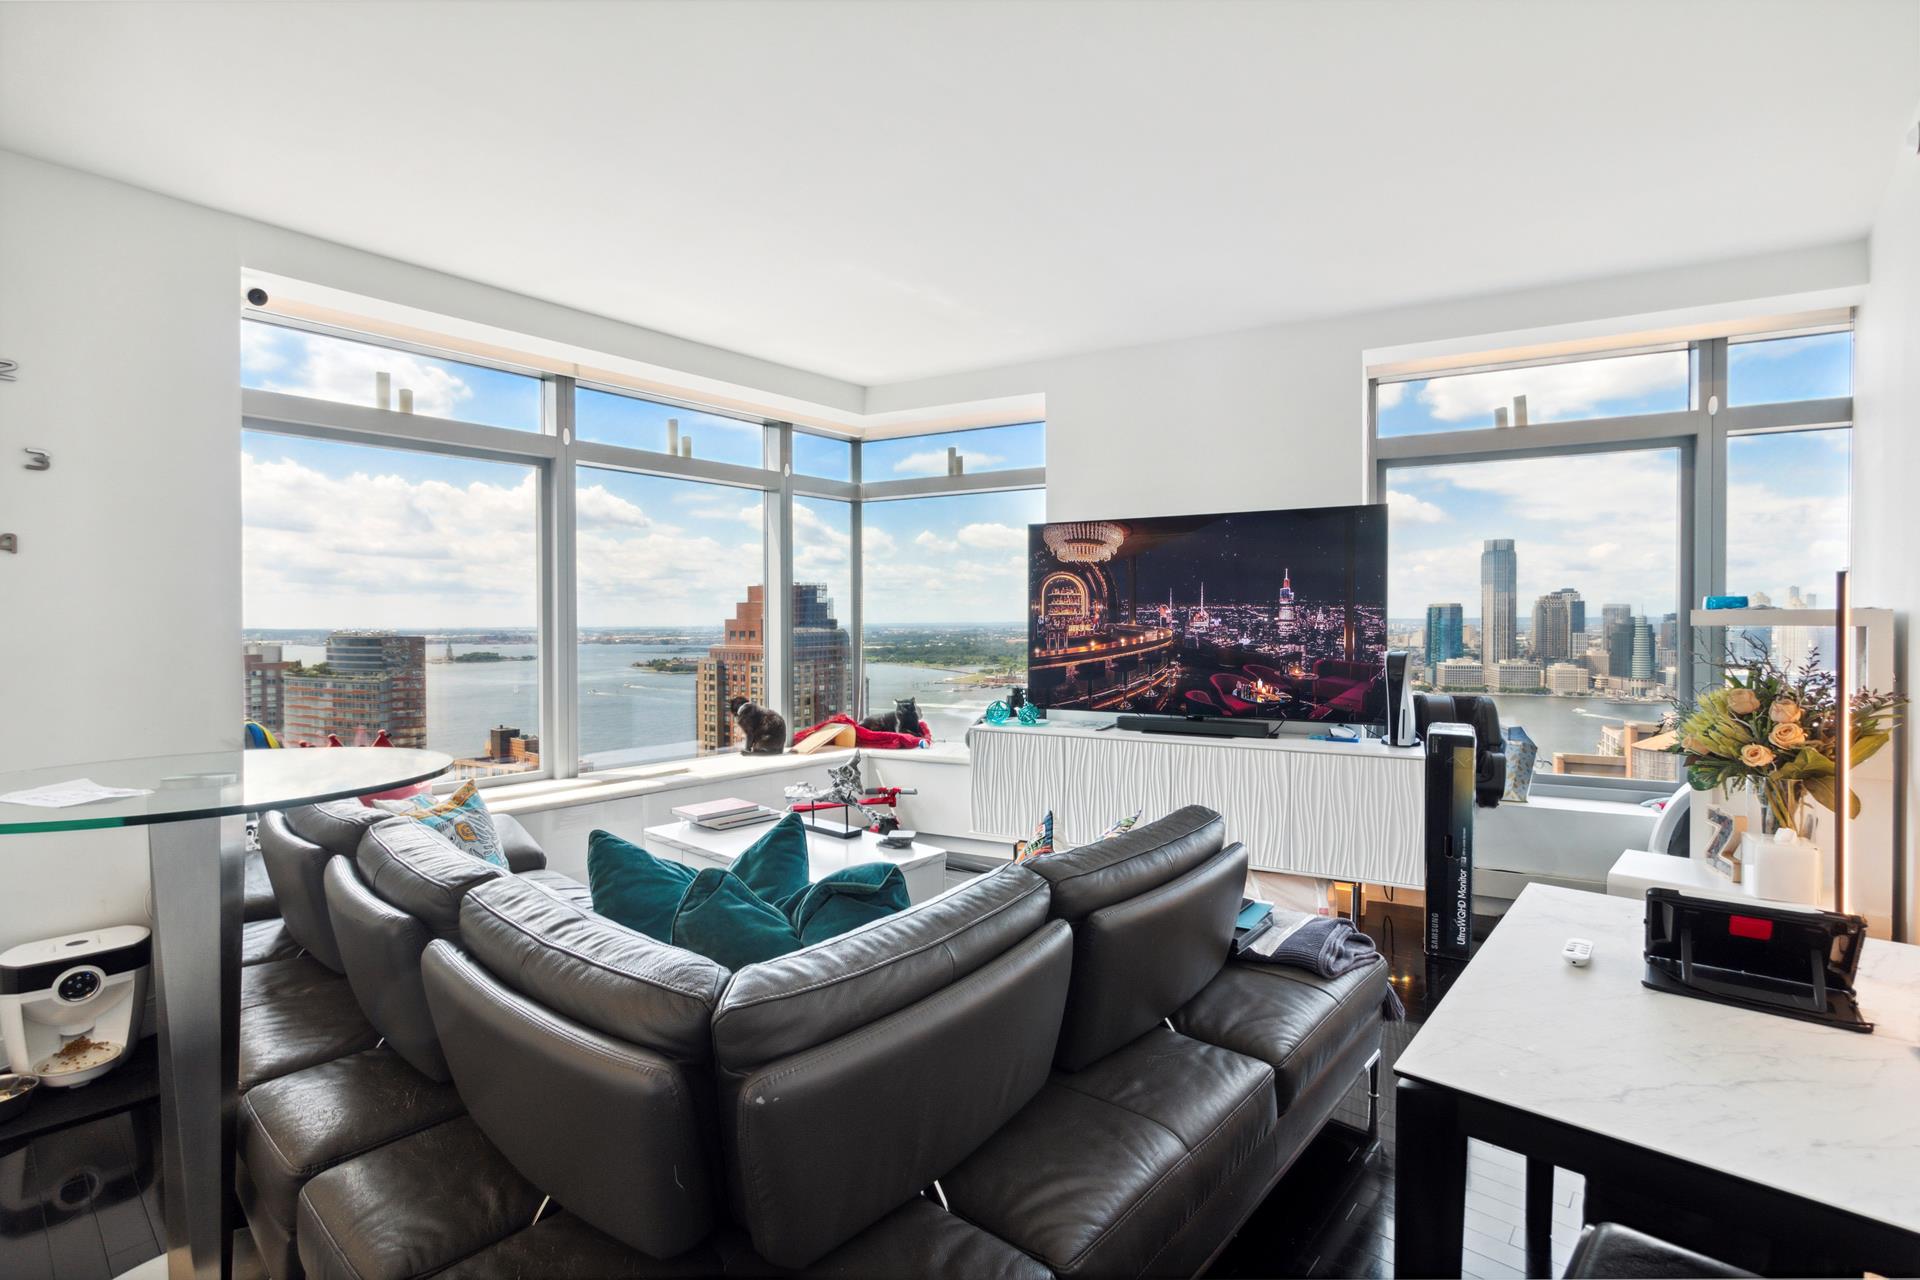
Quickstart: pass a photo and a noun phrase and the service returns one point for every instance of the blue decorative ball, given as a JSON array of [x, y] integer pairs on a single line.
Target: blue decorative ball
[[997, 712], [1029, 714]]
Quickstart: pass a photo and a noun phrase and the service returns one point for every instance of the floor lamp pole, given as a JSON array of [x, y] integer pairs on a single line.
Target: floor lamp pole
[[1843, 753]]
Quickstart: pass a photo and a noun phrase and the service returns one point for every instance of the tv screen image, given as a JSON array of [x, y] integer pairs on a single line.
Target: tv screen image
[[1252, 614]]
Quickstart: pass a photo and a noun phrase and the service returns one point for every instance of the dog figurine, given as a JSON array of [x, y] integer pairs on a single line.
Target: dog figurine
[[765, 731]]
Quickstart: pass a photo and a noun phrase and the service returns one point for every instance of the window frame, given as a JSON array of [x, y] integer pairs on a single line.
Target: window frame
[[556, 454], [1700, 432]]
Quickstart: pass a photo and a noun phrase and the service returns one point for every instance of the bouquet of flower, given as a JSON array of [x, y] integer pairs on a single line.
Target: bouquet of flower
[[1778, 730]]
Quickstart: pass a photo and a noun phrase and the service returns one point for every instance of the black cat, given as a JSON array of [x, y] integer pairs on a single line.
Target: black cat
[[766, 731], [904, 718]]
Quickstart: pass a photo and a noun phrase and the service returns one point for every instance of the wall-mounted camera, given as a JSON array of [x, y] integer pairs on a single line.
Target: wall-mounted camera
[[256, 297]]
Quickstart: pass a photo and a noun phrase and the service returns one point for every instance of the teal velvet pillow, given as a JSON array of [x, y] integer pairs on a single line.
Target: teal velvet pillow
[[632, 887], [847, 899], [726, 921], [775, 865]]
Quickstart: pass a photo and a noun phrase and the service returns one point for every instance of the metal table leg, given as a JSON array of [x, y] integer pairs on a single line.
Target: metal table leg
[[1539, 1217], [198, 869]]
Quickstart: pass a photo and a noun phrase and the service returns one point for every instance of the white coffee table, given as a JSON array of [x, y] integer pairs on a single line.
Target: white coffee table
[[923, 865]]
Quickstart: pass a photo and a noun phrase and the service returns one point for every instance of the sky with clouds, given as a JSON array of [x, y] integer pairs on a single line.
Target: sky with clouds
[[1607, 524], [349, 535]]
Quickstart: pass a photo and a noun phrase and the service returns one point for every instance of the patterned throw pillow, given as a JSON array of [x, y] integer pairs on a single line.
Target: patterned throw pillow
[[462, 818], [1039, 844], [1123, 826]]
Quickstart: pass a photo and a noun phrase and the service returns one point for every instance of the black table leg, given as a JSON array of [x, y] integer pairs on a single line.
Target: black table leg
[[1429, 1181], [1539, 1218]]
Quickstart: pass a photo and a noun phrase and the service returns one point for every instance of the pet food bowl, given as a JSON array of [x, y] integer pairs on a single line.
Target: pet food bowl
[[16, 1095]]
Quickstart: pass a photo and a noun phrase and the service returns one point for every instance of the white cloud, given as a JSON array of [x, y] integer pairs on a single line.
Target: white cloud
[[345, 371], [1404, 506], [928, 540], [988, 536], [380, 550], [933, 462], [1554, 392], [1389, 394]]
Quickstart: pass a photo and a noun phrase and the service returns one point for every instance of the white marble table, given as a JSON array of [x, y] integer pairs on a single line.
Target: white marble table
[[1759, 1118], [923, 865]]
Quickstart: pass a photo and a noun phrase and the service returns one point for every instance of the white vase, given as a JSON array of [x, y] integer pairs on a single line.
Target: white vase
[[1782, 867]]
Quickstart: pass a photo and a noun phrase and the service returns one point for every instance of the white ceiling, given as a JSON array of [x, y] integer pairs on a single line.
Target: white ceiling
[[885, 191]]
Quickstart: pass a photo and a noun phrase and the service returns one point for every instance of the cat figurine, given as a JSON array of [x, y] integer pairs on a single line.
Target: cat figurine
[[904, 718], [765, 731]]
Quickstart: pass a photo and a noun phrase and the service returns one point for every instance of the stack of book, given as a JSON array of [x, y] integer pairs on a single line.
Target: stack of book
[[720, 815]]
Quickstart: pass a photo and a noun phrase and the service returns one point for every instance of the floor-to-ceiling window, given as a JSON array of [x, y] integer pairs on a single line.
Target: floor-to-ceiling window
[[1554, 522], [541, 576]]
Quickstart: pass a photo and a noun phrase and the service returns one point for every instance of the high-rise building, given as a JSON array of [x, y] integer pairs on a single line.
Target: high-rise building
[[822, 682], [371, 681], [1446, 634], [1554, 626], [1612, 615], [1643, 646], [264, 674], [1499, 584]]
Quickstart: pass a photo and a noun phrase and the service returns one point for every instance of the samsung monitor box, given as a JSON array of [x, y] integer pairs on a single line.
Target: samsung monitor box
[[1449, 827]]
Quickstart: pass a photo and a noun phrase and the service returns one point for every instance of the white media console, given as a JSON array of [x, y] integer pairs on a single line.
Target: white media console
[[1332, 810]]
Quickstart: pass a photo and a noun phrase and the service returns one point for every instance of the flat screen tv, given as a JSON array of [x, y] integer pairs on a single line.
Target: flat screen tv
[[1277, 615]]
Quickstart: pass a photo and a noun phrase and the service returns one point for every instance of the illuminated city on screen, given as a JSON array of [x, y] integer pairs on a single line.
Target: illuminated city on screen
[[1275, 614]]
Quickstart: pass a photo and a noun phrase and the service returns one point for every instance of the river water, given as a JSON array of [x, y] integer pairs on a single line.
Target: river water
[[630, 715]]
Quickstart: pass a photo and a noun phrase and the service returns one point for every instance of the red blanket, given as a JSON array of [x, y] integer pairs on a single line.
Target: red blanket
[[878, 739]]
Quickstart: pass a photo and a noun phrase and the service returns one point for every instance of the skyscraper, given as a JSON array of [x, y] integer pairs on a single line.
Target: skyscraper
[[1554, 625], [1445, 634], [371, 680], [822, 681], [1499, 584], [1643, 644]]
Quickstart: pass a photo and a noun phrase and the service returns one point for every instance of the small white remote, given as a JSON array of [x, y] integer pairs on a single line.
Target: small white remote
[[1577, 952]]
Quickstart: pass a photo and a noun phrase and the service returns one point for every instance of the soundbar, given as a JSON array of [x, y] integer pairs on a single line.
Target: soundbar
[[1199, 728]]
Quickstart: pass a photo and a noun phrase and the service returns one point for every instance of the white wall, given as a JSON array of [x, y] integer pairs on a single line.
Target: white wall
[[120, 617], [1275, 417], [1886, 449]]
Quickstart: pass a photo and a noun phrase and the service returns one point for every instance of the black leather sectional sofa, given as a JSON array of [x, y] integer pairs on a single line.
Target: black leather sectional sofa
[[1052, 1069]]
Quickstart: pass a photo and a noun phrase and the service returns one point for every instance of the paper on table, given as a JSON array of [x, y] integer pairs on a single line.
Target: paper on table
[[62, 795]]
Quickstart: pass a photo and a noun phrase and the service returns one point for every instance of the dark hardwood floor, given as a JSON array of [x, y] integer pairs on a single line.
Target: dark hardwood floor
[[82, 1203], [1332, 1214]]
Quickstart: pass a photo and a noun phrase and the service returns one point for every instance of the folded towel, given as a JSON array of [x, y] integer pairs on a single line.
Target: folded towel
[[1330, 947]]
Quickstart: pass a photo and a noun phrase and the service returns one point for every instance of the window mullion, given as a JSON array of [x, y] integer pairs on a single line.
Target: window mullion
[[856, 587], [777, 617], [560, 647]]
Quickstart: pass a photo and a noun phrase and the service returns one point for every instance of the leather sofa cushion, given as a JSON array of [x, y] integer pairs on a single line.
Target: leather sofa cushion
[[293, 1015], [413, 867], [1125, 866], [262, 941], [296, 1126], [523, 852], [296, 867], [1099, 1173], [1296, 1021], [821, 992], [561, 886], [335, 825], [917, 1239], [256, 894], [412, 1207], [583, 965]]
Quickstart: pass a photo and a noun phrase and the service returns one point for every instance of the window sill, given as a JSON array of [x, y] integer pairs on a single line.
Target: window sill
[[667, 776]]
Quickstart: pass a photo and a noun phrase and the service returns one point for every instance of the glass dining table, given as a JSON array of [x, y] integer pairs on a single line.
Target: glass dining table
[[194, 809]]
